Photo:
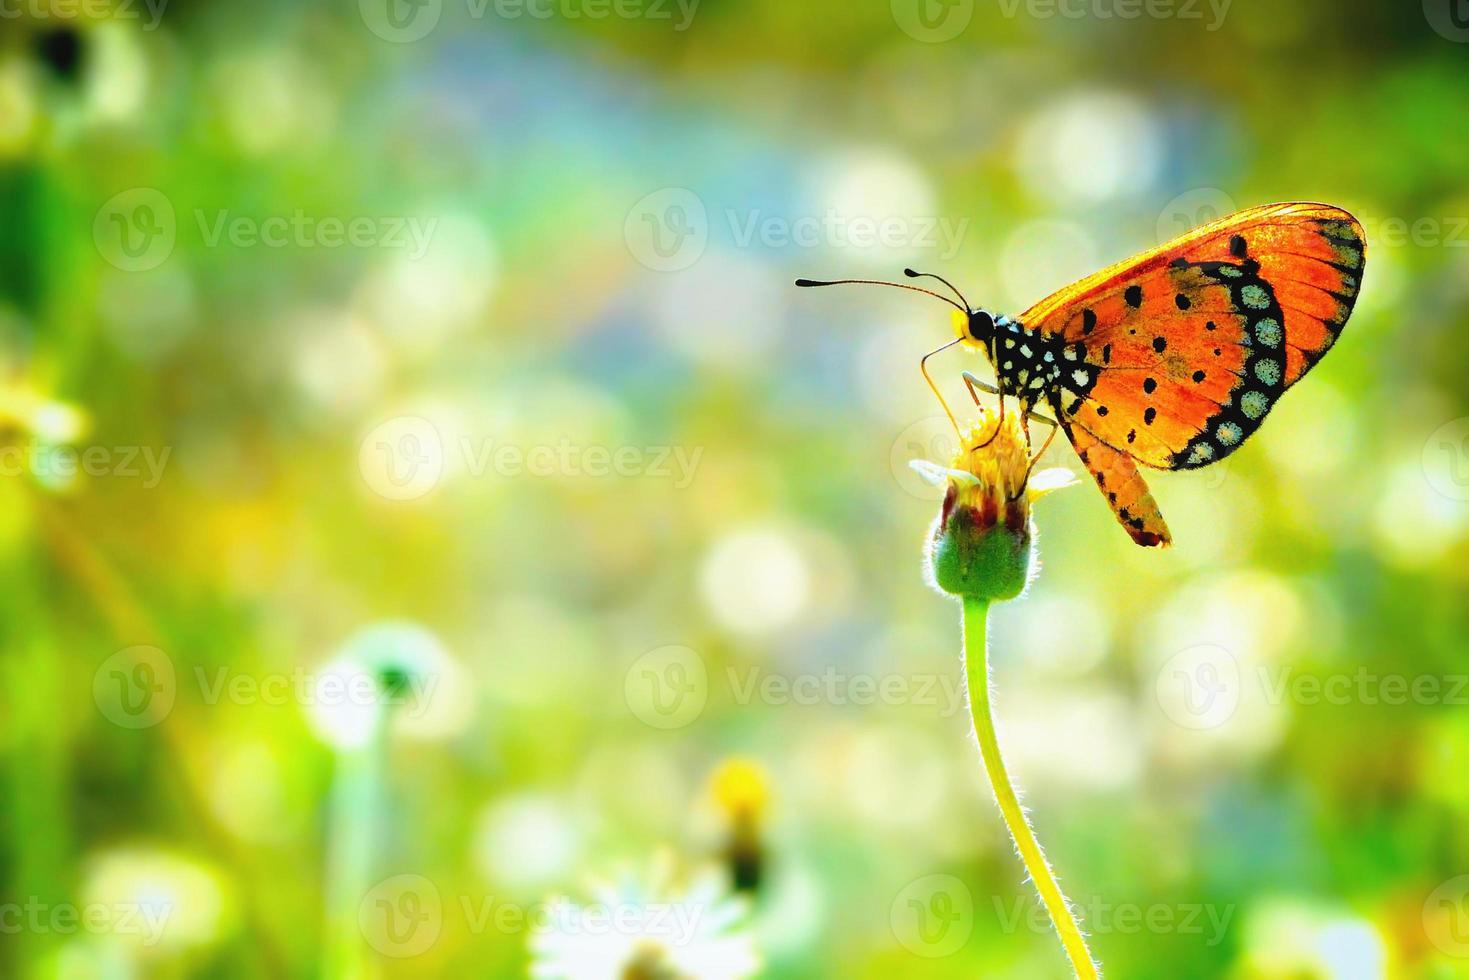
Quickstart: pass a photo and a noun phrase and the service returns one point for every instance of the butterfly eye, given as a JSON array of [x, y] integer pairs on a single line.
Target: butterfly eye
[[981, 326]]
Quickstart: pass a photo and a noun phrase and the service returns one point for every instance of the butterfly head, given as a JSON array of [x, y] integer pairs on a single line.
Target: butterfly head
[[976, 328]]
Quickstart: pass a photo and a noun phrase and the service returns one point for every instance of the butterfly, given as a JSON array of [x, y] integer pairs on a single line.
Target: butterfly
[[1173, 358]]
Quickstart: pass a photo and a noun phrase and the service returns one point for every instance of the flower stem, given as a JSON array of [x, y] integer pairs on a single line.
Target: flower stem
[[977, 670]]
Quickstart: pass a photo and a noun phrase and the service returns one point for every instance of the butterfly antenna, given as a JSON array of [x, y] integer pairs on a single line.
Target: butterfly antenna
[[929, 275], [812, 283]]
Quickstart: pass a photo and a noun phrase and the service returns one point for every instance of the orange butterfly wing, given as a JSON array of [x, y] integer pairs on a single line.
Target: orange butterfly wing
[[1194, 342]]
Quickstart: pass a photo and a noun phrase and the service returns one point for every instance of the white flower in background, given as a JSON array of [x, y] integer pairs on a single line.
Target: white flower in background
[[155, 901], [393, 670], [44, 427], [647, 929]]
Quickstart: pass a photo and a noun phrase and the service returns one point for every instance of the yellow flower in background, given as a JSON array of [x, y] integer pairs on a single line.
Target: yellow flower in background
[[27, 413], [981, 543], [741, 790], [36, 433]]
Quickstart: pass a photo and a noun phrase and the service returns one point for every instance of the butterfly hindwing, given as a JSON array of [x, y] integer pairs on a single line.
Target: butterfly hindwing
[[1194, 342], [1127, 493]]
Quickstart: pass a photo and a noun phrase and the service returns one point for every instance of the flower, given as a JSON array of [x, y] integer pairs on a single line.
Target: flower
[[37, 431], [741, 789], [742, 793], [981, 543], [644, 929], [981, 548]]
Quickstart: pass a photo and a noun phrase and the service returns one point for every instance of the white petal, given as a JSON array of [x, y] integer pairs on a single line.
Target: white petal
[[1052, 479], [939, 475]]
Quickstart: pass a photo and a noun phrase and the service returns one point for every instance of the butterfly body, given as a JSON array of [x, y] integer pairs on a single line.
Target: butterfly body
[[1174, 358], [1031, 366]]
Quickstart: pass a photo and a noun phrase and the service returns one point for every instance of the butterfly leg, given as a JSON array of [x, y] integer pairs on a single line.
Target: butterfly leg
[[923, 367], [1127, 494], [971, 382], [974, 383], [1037, 457]]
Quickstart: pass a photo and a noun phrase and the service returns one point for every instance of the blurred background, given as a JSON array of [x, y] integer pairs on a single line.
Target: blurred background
[[438, 541]]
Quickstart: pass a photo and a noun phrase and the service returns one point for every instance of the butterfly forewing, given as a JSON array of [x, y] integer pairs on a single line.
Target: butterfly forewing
[[1195, 341]]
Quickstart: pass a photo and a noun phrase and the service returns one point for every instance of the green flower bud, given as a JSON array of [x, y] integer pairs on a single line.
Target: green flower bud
[[982, 544]]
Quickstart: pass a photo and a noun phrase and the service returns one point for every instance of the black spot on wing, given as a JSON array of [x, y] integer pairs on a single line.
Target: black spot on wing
[[1261, 380]]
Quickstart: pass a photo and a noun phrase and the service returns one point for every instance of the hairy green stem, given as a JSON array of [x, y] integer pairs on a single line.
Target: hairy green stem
[[978, 674]]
